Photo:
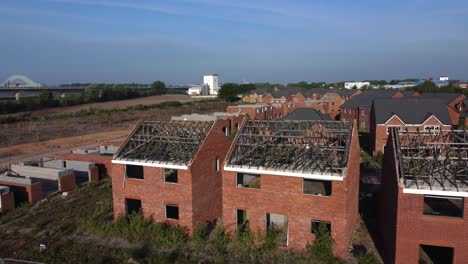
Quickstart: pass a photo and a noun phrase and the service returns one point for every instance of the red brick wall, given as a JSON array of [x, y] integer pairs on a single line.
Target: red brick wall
[[206, 182], [32, 193], [283, 195], [348, 114], [414, 228], [387, 209], [404, 226], [197, 193], [93, 174], [67, 183], [380, 138], [8, 202], [154, 194], [35, 193]]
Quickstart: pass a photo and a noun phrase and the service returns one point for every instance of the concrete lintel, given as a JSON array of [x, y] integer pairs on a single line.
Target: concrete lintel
[[150, 164], [436, 192], [312, 176]]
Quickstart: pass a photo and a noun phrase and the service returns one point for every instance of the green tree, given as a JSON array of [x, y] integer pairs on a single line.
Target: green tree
[[229, 92], [158, 87]]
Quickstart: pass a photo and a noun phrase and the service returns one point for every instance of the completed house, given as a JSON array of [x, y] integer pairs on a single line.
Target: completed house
[[427, 115]]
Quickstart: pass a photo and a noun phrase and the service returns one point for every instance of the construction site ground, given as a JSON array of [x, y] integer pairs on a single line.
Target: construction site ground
[[62, 224], [35, 138]]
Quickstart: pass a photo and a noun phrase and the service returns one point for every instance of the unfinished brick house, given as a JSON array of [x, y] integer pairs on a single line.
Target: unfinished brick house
[[423, 204], [289, 176], [413, 114], [262, 111], [171, 170], [7, 199], [328, 104], [100, 155]]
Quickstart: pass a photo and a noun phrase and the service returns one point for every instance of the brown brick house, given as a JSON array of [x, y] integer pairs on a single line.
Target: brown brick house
[[428, 115], [423, 206], [171, 170], [280, 175]]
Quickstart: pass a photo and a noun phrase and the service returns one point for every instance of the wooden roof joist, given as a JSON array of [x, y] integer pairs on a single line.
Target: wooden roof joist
[[174, 142], [292, 146], [435, 162]]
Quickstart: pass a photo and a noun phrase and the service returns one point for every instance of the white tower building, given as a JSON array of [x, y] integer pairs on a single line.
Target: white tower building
[[212, 80]]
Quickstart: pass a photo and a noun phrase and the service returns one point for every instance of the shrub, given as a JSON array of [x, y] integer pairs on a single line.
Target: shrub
[[323, 245]]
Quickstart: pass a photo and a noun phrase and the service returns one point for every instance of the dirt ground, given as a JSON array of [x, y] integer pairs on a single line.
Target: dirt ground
[[37, 137], [107, 105]]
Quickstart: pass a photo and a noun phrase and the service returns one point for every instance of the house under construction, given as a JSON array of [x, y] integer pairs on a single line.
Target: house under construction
[[424, 198], [290, 176], [170, 170]]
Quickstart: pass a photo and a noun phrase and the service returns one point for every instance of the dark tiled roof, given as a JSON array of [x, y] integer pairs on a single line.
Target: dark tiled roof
[[365, 99], [446, 97], [306, 114], [285, 91], [412, 110]]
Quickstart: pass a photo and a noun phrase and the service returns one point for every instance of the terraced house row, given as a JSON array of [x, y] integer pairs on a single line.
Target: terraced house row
[[276, 166], [282, 175]]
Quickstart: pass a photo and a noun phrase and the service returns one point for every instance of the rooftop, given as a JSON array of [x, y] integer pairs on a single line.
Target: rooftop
[[365, 99], [292, 147], [164, 142], [433, 162], [306, 114], [412, 110]]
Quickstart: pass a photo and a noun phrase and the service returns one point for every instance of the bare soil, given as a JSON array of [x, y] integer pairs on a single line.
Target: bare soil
[[37, 137], [107, 105]]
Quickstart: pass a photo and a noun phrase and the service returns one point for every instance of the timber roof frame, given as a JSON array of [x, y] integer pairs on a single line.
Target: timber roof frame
[[164, 142], [433, 161], [292, 146]]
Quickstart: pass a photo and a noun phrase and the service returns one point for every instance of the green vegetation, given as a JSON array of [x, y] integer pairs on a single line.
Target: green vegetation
[[306, 86], [92, 111], [230, 92], [93, 93], [430, 87], [322, 247], [80, 228], [370, 162]]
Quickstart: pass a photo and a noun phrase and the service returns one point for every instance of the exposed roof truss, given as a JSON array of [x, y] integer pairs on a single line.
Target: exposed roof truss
[[174, 142], [292, 146], [434, 161]]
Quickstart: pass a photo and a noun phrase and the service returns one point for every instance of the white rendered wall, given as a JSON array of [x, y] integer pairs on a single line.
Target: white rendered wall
[[213, 82]]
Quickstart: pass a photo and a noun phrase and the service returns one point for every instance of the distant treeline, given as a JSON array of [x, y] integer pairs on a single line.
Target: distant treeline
[[430, 87], [94, 93]]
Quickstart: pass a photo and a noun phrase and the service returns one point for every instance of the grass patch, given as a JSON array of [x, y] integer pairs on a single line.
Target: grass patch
[[370, 162]]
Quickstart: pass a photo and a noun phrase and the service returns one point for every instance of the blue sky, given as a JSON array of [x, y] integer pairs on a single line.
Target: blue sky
[[61, 41]]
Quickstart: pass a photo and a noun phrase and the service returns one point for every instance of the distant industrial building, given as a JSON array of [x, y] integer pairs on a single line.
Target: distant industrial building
[[210, 86]]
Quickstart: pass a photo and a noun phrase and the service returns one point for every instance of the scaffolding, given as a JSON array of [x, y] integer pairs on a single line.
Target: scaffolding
[[293, 146], [435, 161], [170, 142]]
